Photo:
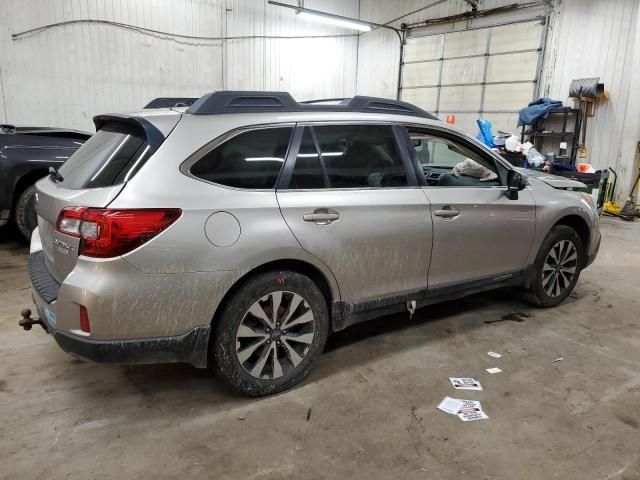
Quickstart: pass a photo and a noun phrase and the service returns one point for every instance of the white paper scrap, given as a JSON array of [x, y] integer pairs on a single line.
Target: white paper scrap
[[493, 370], [465, 410], [451, 405], [494, 354], [465, 383], [471, 411]]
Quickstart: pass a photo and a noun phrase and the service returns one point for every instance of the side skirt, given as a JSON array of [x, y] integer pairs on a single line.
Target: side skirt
[[344, 314]]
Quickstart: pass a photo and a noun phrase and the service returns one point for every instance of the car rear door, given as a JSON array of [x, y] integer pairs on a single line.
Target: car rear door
[[349, 195], [92, 177], [478, 233]]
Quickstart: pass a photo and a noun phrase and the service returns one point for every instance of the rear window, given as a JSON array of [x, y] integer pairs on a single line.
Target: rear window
[[252, 159], [111, 156]]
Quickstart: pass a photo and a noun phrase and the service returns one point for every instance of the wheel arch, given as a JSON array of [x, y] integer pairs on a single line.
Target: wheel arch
[[25, 181], [328, 289], [580, 225]]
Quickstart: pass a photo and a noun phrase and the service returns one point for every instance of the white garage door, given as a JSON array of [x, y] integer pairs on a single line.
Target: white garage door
[[486, 72]]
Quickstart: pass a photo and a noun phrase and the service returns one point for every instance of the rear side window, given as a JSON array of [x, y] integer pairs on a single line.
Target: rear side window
[[111, 156], [252, 159], [354, 156]]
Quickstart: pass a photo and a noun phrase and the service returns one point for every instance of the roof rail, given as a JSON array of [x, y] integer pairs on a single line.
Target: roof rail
[[168, 102], [216, 103]]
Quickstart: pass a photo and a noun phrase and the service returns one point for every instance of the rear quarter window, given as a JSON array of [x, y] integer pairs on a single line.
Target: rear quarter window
[[252, 159], [111, 156]]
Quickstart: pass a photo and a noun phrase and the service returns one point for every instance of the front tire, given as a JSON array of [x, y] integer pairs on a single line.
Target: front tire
[[25, 212], [557, 267], [270, 333]]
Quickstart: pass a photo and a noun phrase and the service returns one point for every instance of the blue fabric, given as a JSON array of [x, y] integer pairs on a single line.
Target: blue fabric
[[537, 110], [564, 167], [486, 132], [557, 166]]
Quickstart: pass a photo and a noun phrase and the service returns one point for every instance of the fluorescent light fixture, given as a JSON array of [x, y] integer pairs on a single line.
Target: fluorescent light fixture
[[335, 21], [326, 154]]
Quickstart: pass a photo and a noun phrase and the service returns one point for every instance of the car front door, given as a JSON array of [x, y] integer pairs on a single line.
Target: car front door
[[350, 196], [478, 233]]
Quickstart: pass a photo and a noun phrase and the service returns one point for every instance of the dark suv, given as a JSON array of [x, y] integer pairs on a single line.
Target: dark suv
[[26, 153]]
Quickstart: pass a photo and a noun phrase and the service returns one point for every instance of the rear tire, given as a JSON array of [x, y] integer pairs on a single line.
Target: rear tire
[[557, 267], [270, 333], [25, 212]]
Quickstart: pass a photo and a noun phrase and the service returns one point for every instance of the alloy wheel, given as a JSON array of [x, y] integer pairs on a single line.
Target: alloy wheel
[[275, 335], [559, 268]]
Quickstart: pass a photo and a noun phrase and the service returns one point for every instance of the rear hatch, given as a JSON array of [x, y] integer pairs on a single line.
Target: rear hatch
[[92, 177]]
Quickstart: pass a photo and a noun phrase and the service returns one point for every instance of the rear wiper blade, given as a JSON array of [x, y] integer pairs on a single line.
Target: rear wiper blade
[[55, 175]]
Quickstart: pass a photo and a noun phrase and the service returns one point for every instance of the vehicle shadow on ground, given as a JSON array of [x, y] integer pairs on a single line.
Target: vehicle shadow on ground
[[10, 239], [196, 388]]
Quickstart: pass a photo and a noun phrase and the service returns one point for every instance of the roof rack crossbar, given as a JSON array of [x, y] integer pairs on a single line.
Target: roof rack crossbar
[[222, 102]]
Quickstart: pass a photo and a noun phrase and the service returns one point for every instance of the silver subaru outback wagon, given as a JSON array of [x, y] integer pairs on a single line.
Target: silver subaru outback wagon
[[239, 232]]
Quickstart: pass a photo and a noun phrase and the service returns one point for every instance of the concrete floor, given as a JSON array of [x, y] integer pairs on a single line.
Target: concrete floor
[[368, 411]]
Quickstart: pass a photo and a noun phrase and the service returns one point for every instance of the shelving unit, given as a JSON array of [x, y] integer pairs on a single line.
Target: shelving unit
[[544, 138]]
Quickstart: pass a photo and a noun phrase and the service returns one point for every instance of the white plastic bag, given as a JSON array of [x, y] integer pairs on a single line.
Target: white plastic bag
[[511, 143], [534, 157]]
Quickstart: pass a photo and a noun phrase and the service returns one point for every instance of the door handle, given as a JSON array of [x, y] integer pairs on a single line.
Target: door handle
[[447, 212], [321, 216]]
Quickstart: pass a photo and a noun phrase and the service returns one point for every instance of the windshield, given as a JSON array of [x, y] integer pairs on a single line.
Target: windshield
[[111, 156]]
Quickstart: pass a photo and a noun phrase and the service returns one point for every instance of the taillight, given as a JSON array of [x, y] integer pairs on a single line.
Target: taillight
[[84, 320], [106, 232]]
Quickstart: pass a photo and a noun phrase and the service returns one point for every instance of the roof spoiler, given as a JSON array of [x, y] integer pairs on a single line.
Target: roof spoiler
[[168, 102], [153, 135], [216, 103]]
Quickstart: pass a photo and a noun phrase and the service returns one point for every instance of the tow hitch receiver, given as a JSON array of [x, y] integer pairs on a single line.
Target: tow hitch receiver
[[27, 322]]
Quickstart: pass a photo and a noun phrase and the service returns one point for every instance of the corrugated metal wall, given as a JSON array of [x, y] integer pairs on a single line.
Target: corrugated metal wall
[[595, 38], [64, 75]]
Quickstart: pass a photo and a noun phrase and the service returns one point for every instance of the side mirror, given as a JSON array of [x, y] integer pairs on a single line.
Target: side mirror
[[515, 182]]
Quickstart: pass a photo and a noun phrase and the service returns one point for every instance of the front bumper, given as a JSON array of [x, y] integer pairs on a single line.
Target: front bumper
[[594, 251]]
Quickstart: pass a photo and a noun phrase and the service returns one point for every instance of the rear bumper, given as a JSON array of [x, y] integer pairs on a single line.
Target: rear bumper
[[188, 348], [57, 307]]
